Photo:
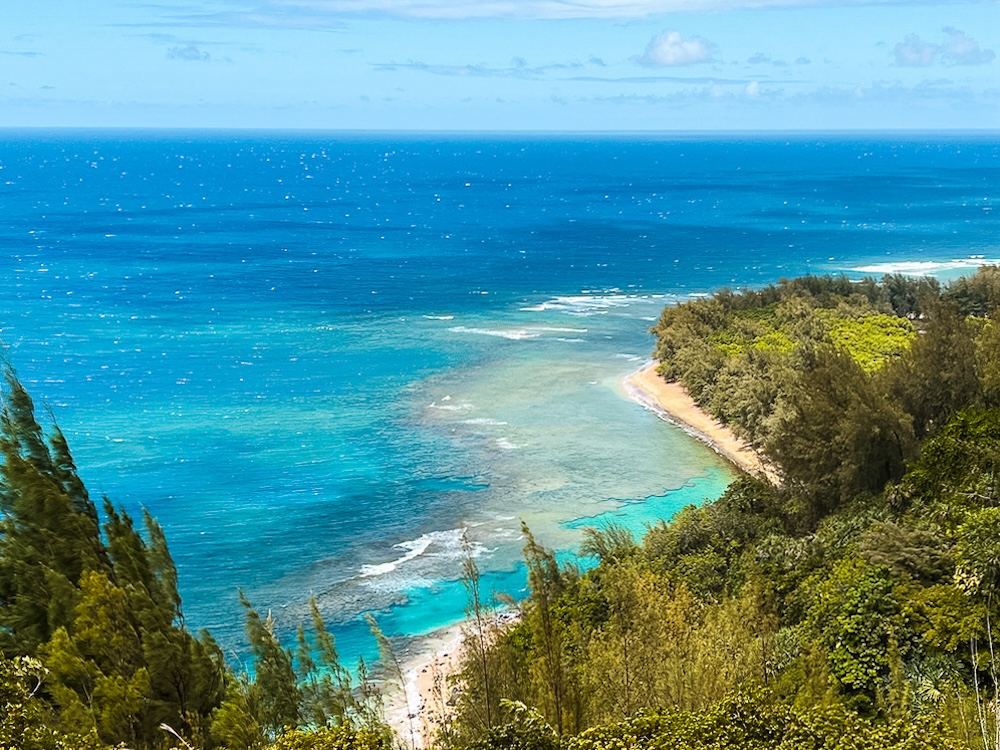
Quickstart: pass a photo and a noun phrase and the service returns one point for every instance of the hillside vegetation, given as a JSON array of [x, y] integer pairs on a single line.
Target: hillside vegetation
[[855, 606]]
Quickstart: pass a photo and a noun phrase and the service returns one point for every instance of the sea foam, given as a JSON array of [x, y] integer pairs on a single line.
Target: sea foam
[[512, 334], [926, 267], [442, 544]]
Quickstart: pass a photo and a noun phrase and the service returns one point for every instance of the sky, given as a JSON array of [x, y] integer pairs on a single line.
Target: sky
[[501, 65]]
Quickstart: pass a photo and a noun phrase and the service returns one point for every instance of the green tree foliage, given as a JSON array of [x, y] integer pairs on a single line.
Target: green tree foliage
[[958, 470], [988, 361], [332, 738], [49, 532], [325, 689], [872, 340], [938, 376], [748, 721], [977, 295], [25, 718], [102, 612], [549, 669], [862, 592], [836, 435], [291, 690], [860, 621]]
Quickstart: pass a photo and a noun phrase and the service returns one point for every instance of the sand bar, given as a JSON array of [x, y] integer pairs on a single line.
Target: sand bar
[[672, 403]]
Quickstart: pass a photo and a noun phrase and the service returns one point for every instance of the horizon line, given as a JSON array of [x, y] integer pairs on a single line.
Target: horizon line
[[507, 132]]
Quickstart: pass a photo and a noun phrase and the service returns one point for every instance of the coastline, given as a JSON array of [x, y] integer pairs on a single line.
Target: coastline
[[671, 402], [415, 709]]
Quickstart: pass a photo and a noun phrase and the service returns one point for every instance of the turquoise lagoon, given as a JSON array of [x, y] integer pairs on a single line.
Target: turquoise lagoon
[[325, 360]]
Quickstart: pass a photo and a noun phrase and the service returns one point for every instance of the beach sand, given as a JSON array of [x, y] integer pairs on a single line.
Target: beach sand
[[416, 710], [672, 402]]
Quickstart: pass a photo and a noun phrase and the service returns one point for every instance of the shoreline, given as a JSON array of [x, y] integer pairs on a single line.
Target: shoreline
[[672, 403], [415, 708]]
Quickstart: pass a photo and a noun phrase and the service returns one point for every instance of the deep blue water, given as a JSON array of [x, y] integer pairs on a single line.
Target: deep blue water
[[320, 359]]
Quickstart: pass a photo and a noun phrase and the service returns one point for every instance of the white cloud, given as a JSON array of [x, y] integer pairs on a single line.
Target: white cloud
[[957, 49], [914, 52], [752, 90], [670, 48], [328, 14]]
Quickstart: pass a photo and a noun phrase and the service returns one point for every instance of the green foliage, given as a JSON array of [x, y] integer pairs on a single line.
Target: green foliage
[[938, 375], [331, 738], [977, 552], [957, 471], [526, 730], [102, 612], [325, 689], [256, 710], [872, 340], [907, 552], [836, 436], [977, 295], [750, 722], [49, 533], [25, 720], [860, 622], [988, 361]]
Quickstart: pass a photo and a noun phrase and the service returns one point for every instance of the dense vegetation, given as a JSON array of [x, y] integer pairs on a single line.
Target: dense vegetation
[[94, 647], [854, 606]]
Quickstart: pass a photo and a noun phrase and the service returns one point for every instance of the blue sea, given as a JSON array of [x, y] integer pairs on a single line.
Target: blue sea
[[333, 365]]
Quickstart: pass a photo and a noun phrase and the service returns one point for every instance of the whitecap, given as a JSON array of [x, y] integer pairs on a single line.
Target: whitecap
[[446, 545], [414, 548], [512, 334], [449, 407], [440, 317], [504, 444], [484, 420], [926, 267], [584, 305]]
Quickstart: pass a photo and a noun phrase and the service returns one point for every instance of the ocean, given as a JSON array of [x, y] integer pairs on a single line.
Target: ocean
[[333, 365]]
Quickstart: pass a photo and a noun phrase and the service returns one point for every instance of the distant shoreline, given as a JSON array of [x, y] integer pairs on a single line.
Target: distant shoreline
[[671, 402]]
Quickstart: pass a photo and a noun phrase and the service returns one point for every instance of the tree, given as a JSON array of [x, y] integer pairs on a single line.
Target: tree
[[101, 611], [937, 377], [837, 435], [49, 534], [480, 635], [546, 582], [324, 684]]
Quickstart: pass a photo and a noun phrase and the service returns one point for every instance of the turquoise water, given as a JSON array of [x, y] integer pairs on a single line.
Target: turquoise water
[[322, 360]]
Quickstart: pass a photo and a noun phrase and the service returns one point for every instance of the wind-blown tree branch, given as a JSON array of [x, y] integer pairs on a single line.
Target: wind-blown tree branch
[[101, 611]]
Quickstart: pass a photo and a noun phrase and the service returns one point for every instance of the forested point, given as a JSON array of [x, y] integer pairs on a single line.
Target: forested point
[[852, 607]]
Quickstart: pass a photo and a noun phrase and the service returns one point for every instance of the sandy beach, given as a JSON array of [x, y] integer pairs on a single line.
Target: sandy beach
[[671, 402], [414, 710]]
